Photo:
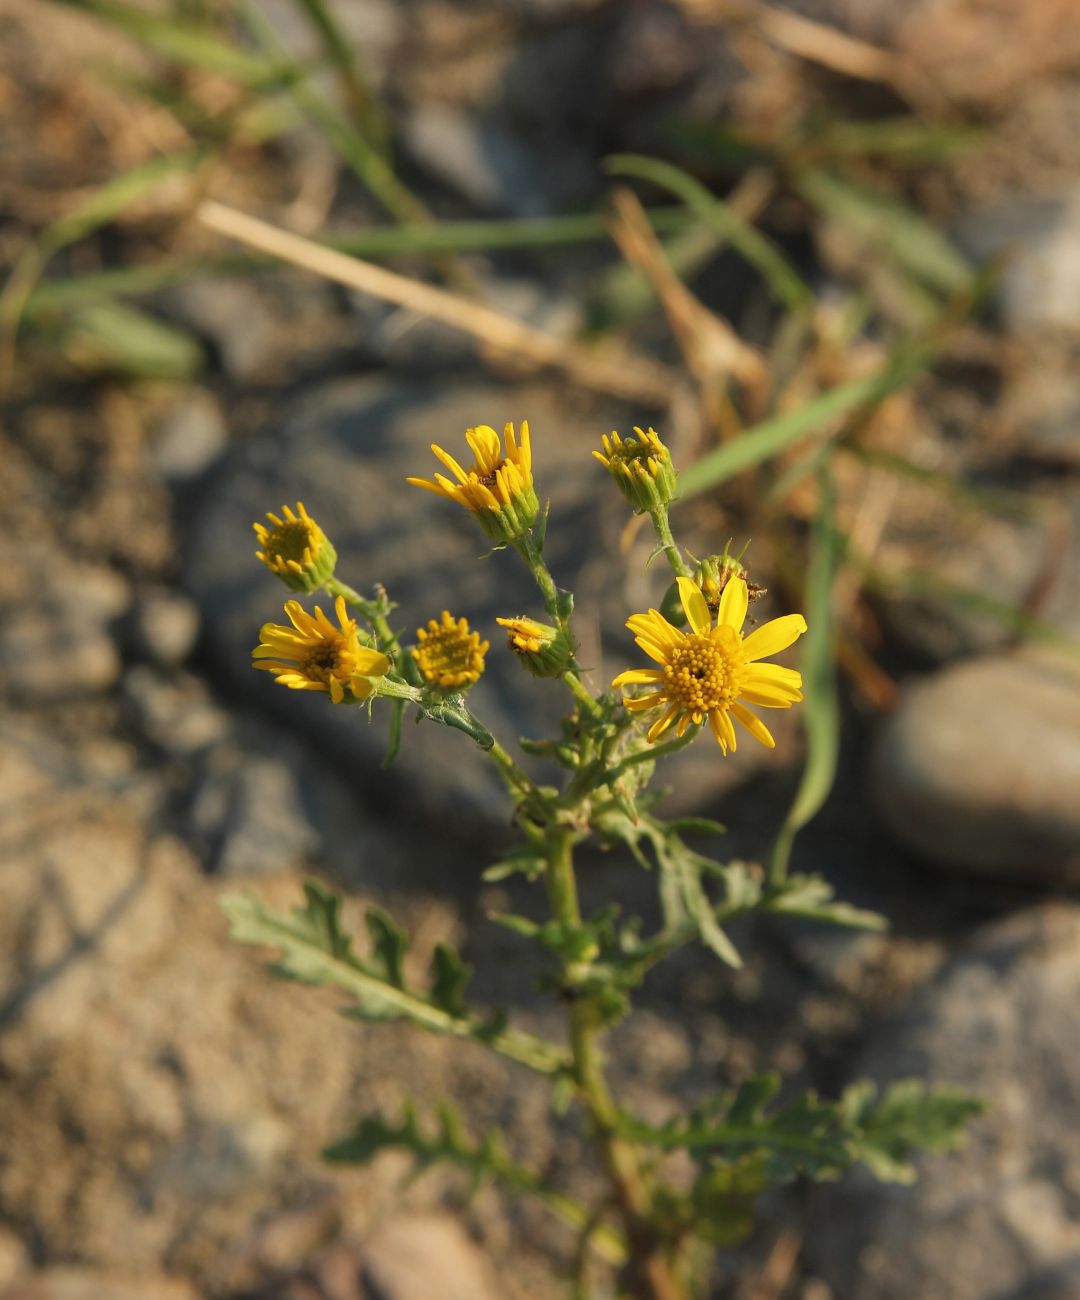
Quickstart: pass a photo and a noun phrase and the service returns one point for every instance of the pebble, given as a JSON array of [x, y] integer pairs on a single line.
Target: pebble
[[173, 712], [422, 1256], [1040, 238], [190, 437], [58, 644], [164, 627], [979, 767], [996, 1218]]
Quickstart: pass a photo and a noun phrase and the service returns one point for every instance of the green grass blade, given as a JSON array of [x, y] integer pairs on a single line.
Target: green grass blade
[[118, 339], [184, 42], [773, 266], [343, 55], [775, 435], [365, 159], [107, 203], [899, 139], [895, 230], [821, 707]]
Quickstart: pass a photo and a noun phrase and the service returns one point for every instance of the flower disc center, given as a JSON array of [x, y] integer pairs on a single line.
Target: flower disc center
[[289, 540], [703, 673]]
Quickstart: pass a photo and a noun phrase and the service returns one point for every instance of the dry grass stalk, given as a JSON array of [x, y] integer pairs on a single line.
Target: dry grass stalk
[[636, 379]]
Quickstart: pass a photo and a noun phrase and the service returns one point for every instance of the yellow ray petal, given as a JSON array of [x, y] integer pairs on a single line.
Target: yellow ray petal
[[733, 604], [723, 730], [645, 702], [770, 697], [636, 676], [774, 637], [695, 606], [661, 724], [429, 486], [450, 463], [485, 445], [753, 725], [774, 675]]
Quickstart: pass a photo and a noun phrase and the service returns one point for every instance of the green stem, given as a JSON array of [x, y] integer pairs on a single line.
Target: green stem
[[649, 755], [581, 692], [664, 536], [530, 553], [620, 1156]]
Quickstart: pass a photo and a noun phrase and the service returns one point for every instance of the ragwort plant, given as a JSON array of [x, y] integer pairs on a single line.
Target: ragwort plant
[[705, 672]]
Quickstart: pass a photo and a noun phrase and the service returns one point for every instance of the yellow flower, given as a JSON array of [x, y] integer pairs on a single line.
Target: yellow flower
[[709, 670], [641, 468], [449, 655], [497, 489], [296, 549], [314, 655], [545, 651]]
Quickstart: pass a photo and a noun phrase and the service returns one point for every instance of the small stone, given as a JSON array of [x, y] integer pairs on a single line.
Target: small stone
[[979, 767], [422, 1256], [58, 644], [165, 627], [190, 437], [174, 713], [1040, 284], [995, 1219], [266, 829], [477, 157]]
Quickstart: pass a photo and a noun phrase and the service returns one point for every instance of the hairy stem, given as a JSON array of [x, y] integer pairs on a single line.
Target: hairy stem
[[664, 536], [620, 1156]]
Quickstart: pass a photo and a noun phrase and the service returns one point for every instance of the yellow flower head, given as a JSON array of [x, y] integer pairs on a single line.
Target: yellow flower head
[[449, 655], [708, 671], [545, 651], [498, 488], [296, 549], [641, 468], [314, 655]]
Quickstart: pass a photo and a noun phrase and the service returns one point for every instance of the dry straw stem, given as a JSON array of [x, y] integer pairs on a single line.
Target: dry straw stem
[[636, 379], [817, 42], [712, 350]]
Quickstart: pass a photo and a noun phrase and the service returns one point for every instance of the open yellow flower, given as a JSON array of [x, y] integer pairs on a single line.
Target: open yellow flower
[[296, 549], [314, 655], [498, 488], [708, 671], [449, 655]]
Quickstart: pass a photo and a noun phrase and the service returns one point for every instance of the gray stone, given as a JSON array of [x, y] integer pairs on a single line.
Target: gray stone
[[174, 713], [997, 1219], [422, 1256], [478, 158], [58, 643], [263, 826], [190, 437], [165, 627], [344, 450], [1040, 286], [955, 548], [979, 768]]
